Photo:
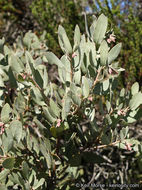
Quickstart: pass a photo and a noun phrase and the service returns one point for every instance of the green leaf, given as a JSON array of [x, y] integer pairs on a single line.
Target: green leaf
[[136, 101], [100, 29], [16, 64], [67, 70], [37, 96], [77, 77], [3, 187], [8, 163], [12, 79], [92, 54], [92, 115], [7, 140], [103, 52], [48, 115], [45, 78], [62, 74], [3, 174], [53, 59], [122, 92], [58, 131], [39, 184], [106, 85], [93, 26], [46, 154], [135, 88], [131, 117], [64, 41], [6, 110], [106, 139], [19, 103], [114, 52], [85, 87], [76, 99], [25, 170], [108, 105], [1, 82], [2, 41], [122, 135], [36, 74], [77, 37], [54, 108], [67, 104], [16, 130], [7, 50]]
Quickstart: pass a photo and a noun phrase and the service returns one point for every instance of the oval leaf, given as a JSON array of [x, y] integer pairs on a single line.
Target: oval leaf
[[85, 87], [53, 59], [64, 41], [6, 110], [77, 37], [100, 29], [136, 101], [103, 52], [114, 52], [135, 88], [16, 130], [8, 163]]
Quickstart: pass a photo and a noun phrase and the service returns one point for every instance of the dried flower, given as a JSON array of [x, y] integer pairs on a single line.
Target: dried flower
[[58, 122], [111, 38], [90, 98], [128, 146], [123, 111], [2, 128], [74, 55], [1, 124]]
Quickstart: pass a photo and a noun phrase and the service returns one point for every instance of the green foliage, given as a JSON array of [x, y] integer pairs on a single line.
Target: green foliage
[[50, 14], [126, 21], [51, 134]]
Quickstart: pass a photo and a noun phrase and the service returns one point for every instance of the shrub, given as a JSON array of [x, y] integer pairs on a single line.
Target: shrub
[[52, 135]]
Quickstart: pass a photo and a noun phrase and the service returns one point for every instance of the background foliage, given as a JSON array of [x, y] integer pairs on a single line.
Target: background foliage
[[50, 14]]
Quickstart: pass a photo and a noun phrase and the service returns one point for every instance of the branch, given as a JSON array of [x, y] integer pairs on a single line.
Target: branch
[[107, 145], [97, 77], [101, 146]]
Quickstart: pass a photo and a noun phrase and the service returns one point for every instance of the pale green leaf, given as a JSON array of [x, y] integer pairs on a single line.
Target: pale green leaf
[[114, 52], [103, 52], [39, 184], [64, 41], [135, 88], [77, 37], [106, 85], [47, 114], [100, 29], [85, 87], [136, 101], [53, 59], [16, 130], [6, 110]]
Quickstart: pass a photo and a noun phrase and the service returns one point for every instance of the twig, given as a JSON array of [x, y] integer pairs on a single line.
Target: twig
[[104, 146], [100, 146], [97, 77]]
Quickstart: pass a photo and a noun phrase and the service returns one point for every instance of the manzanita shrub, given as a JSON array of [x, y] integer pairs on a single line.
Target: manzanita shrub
[[50, 132]]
